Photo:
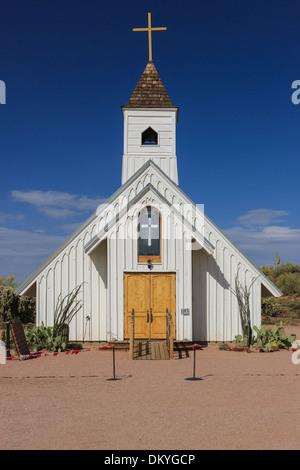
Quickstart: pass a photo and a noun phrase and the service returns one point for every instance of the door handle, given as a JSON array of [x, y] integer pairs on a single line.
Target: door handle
[[147, 316], [151, 316]]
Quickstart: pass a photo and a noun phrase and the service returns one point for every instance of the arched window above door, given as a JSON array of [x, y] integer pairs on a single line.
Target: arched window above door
[[149, 243]]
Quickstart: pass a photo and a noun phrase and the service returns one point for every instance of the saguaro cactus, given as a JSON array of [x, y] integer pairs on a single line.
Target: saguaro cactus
[[277, 262]]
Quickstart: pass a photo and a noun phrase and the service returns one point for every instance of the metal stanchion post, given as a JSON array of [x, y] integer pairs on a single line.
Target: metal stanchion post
[[194, 369], [7, 338], [196, 346], [114, 365]]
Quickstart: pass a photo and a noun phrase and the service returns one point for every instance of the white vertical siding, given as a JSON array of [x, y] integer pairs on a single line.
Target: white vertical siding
[[79, 319], [50, 296], [72, 284], [204, 283], [215, 307], [103, 292], [163, 154]]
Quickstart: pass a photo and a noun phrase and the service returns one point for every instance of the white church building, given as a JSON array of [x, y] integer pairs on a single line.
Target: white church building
[[149, 247]]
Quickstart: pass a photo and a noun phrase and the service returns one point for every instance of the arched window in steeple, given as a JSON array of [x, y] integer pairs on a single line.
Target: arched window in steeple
[[149, 246], [149, 137]]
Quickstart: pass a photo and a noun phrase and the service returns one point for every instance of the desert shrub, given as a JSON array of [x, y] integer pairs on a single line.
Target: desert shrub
[[289, 268], [285, 275], [288, 283], [296, 308], [11, 338], [42, 337], [56, 337], [38, 338], [266, 338], [9, 304], [270, 307], [12, 305], [243, 341], [26, 309], [269, 271], [272, 337], [9, 281]]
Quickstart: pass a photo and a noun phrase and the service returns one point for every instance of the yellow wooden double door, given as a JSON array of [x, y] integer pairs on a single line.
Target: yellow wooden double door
[[149, 294]]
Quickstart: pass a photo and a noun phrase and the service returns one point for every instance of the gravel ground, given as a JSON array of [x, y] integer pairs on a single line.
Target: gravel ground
[[241, 401]]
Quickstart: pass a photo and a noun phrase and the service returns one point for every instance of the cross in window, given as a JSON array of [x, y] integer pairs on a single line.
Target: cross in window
[[149, 226]]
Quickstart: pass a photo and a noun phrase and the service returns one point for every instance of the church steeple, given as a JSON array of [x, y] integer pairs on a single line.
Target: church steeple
[[150, 123], [150, 91]]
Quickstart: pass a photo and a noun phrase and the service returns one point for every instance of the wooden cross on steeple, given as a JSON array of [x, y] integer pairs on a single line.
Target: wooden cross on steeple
[[150, 29]]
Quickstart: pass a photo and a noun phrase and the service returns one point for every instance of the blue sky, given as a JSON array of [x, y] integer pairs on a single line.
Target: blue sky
[[69, 65]]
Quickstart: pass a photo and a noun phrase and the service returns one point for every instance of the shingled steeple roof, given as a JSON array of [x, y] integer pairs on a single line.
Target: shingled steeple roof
[[150, 91]]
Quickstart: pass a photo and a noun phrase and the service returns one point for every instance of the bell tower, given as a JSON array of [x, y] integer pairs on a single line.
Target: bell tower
[[149, 122]]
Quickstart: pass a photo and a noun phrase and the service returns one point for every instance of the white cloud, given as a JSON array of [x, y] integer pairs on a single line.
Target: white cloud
[[57, 212], [57, 204], [4, 217], [70, 227], [22, 252], [265, 234], [23, 243], [262, 217], [256, 234]]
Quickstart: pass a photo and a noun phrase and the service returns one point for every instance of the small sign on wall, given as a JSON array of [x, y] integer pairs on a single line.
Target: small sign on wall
[[185, 311]]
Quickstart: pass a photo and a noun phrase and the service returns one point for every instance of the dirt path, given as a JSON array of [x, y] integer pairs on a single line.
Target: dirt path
[[243, 401]]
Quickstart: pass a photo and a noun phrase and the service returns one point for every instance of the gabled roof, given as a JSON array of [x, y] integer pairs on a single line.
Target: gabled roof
[[150, 91], [116, 219], [270, 288]]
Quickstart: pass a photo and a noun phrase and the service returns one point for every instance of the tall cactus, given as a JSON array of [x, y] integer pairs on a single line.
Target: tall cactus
[[243, 295], [64, 333], [277, 262]]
